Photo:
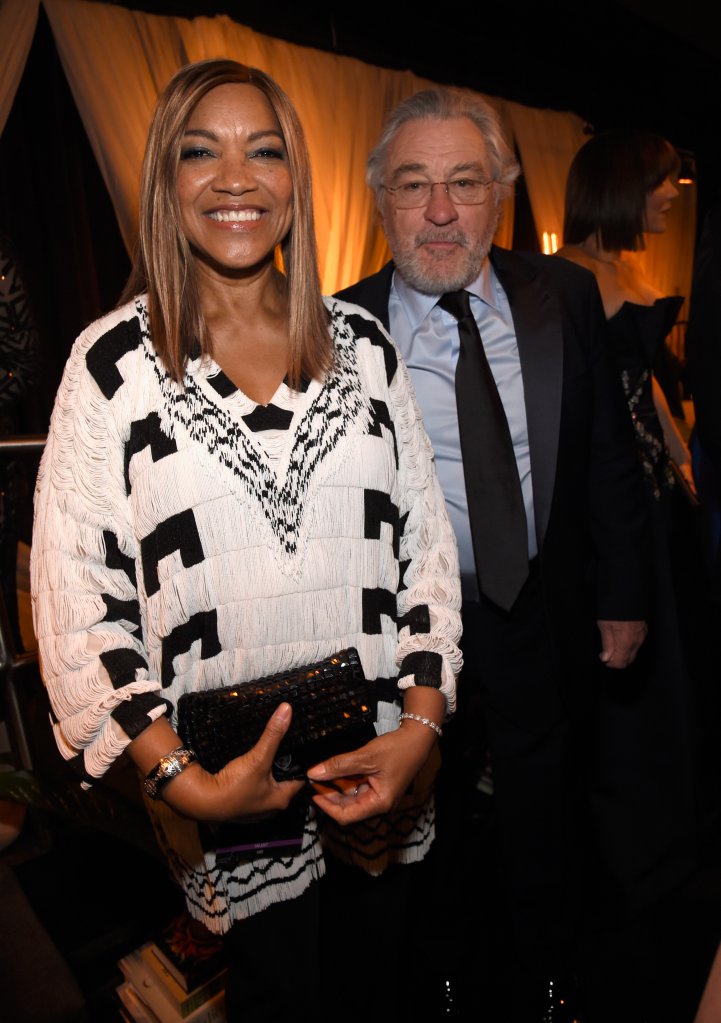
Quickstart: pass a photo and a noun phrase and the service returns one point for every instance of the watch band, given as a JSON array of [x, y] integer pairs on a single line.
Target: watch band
[[169, 766]]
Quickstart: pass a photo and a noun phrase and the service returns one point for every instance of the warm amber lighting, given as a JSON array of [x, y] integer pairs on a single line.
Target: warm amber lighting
[[687, 170], [550, 242]]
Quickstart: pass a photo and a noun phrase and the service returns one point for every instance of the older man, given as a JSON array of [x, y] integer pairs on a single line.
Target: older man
[[535, 455]]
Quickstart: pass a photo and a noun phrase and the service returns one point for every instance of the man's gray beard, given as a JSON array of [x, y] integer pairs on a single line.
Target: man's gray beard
[[428, 282]]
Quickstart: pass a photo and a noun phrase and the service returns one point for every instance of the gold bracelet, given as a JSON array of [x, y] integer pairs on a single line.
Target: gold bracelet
[[424, 721]]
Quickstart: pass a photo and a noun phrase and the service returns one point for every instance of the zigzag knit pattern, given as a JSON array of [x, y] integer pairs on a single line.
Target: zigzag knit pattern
[[187, 538]]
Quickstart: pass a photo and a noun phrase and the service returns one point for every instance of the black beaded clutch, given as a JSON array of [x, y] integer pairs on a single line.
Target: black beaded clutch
[[333, 712]]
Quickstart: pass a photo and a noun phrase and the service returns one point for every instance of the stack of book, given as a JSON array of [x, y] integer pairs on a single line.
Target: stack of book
[[177, 977]]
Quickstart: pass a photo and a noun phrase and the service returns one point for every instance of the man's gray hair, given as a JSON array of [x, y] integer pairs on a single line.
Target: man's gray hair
[[443, 103]]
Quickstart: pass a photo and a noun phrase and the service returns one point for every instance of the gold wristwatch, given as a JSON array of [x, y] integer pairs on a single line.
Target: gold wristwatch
[[169, 766]]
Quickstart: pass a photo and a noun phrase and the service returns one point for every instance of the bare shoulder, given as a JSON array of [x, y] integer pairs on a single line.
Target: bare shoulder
[[609, 276], [575, 255]]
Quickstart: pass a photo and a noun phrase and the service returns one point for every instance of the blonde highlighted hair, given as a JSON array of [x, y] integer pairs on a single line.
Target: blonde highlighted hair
[[164, 265]]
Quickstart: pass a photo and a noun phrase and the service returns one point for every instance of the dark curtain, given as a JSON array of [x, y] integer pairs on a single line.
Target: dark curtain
[[525, 236], [57, 212]]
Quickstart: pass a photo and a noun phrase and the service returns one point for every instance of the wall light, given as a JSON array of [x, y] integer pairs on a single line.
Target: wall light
[[550, 242], [687, 170]]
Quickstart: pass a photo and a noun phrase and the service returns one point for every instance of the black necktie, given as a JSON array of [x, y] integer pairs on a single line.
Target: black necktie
[[493, 488]]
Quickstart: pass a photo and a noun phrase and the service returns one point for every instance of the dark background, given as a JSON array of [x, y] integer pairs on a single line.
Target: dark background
[[634, 63]]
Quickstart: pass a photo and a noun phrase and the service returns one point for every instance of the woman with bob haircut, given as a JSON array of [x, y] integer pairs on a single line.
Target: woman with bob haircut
[[609, 184], [236, 483], [620, 188]]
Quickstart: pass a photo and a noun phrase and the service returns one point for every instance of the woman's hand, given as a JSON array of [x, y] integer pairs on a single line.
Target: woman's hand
[[244, 788], [373, 779]]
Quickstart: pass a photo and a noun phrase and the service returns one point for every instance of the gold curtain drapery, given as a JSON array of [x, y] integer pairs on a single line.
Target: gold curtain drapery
[[547, 142], [117, 60], [18, 19], [340, 100]]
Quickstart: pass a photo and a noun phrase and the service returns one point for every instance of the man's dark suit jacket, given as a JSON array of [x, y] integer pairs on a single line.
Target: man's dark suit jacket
[[587, 487]]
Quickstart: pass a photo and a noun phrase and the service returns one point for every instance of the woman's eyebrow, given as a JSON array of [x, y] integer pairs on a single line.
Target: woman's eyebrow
[[206, 133]]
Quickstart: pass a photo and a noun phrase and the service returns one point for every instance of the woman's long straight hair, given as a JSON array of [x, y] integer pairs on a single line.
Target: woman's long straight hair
[[164, 265]]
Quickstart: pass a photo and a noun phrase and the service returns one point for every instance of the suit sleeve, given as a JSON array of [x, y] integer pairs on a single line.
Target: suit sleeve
[[617, 503]]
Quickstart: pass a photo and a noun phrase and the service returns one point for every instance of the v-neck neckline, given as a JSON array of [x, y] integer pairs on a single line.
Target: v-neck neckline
[[233, 402], [328, 413]]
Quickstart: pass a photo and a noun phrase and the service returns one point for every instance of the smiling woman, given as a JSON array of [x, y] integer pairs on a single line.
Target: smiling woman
[[237, 483], [234, 183], [235, 198], [223, 137]]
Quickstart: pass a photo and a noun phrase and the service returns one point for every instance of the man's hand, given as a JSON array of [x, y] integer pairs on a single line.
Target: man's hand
[[620, 642]]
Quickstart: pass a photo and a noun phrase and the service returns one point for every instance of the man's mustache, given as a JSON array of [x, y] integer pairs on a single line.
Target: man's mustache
[[457, 237]]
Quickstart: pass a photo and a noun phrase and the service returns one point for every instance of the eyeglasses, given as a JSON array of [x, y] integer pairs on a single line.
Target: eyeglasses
[[411, 195]]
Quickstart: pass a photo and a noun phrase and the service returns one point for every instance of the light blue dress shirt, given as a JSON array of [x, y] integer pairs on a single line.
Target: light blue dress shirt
[[427, 337]]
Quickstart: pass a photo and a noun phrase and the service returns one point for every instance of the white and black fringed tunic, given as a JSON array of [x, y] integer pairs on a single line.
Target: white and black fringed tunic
[[187, 538]]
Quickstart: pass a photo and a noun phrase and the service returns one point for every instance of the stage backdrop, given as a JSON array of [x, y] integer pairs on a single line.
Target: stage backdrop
[[116, 61]]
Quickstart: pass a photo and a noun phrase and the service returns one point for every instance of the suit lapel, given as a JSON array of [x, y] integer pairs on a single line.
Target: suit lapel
[[539, 333], [373, 293]]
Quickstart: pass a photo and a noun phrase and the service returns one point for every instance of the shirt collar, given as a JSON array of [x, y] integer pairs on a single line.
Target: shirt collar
[[417, 306]]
